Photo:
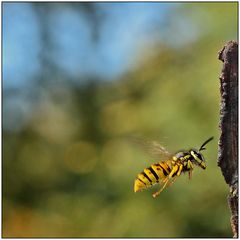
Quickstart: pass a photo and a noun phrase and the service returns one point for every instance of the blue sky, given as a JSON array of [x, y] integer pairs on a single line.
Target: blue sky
[[126, 27]]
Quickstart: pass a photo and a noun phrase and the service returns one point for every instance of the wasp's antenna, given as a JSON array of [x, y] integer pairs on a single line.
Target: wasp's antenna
[[207, 141]]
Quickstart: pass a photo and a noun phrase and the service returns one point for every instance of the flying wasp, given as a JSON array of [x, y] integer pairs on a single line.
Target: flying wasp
[[172, 165]]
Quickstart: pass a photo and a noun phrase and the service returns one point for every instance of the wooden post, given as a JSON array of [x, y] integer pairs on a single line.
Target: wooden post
[[228, 143]]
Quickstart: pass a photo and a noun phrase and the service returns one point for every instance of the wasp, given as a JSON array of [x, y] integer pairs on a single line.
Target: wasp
[[172, 166]]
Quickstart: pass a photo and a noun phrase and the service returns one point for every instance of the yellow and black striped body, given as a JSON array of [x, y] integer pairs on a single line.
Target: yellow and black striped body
[[159, 172], [151, 175], [166, 171]]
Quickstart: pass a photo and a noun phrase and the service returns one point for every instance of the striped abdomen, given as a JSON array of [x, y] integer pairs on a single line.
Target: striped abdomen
[[152, 175]]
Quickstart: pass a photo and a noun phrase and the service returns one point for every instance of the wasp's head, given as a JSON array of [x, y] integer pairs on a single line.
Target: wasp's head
[[197, 155], [198, 158]]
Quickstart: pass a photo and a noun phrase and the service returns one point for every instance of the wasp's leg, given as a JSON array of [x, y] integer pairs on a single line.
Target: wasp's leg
[[178, 174], [180, 170], [172, 181], [174, 170], [190, 167], [190, 174]]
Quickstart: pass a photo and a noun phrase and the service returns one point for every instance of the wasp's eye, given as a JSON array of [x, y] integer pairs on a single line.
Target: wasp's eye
[[200, 156]]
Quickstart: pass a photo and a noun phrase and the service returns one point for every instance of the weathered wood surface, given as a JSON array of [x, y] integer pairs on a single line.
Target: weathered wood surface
[[228, 143]]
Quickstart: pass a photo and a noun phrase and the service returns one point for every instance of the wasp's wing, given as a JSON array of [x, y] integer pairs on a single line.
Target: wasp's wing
[[154, 149]]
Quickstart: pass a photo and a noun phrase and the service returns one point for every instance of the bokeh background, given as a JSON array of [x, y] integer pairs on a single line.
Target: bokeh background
[[79, 81]]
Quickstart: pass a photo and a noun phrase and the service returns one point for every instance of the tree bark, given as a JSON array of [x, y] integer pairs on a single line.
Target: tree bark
[[228, 143]]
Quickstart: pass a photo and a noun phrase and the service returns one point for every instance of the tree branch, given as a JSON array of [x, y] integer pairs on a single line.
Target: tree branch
[[228, 144]]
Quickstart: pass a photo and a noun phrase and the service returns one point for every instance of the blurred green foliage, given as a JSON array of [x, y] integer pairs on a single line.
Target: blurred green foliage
[[70, 171]]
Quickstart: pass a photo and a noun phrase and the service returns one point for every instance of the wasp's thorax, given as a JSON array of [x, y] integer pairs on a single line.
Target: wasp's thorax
[[187, 158]]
